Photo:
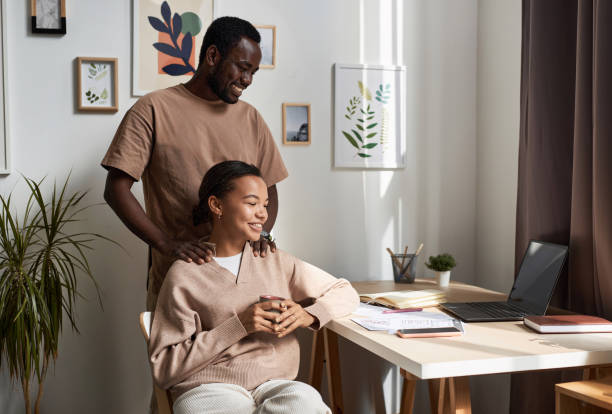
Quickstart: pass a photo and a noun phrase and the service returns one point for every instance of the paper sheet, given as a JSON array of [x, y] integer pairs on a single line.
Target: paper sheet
[[404, 320]]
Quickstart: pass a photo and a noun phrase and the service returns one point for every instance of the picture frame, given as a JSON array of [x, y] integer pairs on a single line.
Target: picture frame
[[48, 16], [296, 124], [161, 56], [5, 153], [369, 116], [267, 45], [97, 84]]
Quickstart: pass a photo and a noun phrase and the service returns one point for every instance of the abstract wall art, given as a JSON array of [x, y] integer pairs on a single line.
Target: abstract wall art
[[167, 36]]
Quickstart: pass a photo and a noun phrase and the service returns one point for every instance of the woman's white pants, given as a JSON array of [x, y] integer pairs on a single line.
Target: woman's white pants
[[271, 397]]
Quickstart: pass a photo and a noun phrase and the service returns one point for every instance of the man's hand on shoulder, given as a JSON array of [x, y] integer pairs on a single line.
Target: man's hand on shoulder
[[260, 247], [189, 251]]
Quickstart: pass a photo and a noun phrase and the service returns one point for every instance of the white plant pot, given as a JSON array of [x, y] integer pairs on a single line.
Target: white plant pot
[[443, 278]]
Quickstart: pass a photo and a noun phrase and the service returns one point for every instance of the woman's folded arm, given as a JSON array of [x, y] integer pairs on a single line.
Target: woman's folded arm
[[333, 297], [178, 349]]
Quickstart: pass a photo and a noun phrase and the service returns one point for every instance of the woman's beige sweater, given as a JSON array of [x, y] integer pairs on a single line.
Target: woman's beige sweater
[[197, 338]]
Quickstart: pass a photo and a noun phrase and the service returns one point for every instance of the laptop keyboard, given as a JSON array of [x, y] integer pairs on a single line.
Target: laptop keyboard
[[497, 310]]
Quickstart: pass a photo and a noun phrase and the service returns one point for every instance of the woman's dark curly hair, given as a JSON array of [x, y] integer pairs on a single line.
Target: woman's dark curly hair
[[225, 33], [218, 181]]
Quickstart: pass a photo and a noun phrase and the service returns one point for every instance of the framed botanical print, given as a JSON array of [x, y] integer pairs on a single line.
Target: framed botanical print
[[97, 84], [370, 116]]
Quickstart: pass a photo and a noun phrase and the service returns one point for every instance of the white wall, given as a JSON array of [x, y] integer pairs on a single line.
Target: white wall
[[339, 220], [499, 59]]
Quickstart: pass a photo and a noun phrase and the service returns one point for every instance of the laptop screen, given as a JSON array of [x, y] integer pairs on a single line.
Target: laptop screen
[[538, 276]]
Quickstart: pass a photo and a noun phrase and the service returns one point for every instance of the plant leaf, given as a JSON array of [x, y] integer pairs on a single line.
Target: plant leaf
[[158, 24], [357, 135], [165, 12], [370, 145], [372, 125], [187, 46], [363, 155], [350, 139], [167, 49], [360, 127], [371, 135], [175, 69], [177, 25]]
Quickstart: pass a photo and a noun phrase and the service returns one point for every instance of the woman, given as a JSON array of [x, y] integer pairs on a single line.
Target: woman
[[212, 343]]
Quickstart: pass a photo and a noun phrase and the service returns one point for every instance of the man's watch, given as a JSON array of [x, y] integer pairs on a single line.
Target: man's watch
[[265, 235]]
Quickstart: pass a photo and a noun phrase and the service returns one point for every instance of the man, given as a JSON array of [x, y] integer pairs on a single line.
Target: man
[[171, 137]]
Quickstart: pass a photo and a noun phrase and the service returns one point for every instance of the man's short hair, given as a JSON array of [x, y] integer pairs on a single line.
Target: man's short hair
[[225, 33]]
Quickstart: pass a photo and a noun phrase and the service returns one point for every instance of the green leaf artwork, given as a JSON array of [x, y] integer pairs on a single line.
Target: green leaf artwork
[[366, 128], [362, 122], [383, 94], [97, 71]]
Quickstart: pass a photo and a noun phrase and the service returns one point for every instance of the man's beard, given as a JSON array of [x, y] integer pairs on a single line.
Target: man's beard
[[223, 94]]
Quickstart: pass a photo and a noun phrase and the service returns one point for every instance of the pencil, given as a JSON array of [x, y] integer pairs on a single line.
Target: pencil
[[418, 251], [404, 257], [394, 258]]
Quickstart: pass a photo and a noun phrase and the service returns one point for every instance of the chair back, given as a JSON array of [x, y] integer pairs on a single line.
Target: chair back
[[163, 398]]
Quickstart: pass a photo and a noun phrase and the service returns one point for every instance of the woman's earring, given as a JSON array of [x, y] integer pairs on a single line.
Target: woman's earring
[[220, 214]]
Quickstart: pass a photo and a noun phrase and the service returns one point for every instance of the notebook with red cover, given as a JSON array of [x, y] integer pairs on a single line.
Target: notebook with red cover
[[568, 324]]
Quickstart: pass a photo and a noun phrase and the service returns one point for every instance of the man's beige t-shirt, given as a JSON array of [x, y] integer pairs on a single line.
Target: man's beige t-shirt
[[170, 138]]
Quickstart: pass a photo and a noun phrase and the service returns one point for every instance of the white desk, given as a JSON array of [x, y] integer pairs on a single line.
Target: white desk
[[486, 348]]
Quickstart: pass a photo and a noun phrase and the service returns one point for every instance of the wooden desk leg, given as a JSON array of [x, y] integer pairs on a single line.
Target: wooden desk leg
[[333, 371], [450, 395], [459, 393], [408, 391], [317, 361], [437, 388]]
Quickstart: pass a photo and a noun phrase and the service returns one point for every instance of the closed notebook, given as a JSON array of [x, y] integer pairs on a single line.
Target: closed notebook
[[568, 324], [405, 298]]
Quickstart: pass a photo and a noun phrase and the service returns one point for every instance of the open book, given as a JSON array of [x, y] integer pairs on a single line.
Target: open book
[[405, 298]]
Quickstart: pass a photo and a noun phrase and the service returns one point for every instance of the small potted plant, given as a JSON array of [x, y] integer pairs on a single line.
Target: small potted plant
[[442, 265]]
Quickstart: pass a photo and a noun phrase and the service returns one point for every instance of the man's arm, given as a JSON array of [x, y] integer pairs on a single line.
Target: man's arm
[[118, 195]]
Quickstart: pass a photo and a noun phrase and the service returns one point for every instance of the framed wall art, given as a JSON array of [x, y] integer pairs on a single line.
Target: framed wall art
[[48, 16], [267, 45], [370, 116], [296, 124], [5, 158], [97, 84], [167, 37]]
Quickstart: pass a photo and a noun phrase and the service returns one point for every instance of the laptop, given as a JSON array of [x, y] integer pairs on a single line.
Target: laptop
[[532, 290]]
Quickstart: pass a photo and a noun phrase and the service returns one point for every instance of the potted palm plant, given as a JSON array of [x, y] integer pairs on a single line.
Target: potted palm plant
[[442, 265], [42, 258]]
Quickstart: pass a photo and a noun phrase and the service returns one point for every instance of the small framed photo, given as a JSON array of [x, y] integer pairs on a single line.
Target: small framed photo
[[267, 45], [48, 16], [97, 84], [296, 124]]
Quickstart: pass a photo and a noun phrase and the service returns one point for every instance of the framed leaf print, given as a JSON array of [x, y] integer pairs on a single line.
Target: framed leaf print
[[97, 84], [167, 36], [370, 116]]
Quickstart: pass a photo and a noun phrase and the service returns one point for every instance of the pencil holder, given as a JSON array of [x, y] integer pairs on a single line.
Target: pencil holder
[[407, 272]]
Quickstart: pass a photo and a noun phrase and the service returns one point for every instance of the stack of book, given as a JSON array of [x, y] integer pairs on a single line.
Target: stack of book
[[405, 298], [568, 324]]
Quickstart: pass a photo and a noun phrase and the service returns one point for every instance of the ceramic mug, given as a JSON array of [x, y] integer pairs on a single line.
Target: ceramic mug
[[271, 298]]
